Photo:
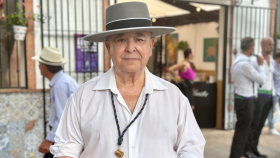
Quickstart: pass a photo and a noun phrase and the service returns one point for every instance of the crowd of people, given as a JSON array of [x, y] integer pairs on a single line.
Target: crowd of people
[[257, 87]]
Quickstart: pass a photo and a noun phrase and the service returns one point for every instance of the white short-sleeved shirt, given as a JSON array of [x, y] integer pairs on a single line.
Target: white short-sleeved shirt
[[166, 128]]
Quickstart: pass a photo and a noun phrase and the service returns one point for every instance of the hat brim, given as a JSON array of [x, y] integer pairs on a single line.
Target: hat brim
[[156, 30], [37, 58]]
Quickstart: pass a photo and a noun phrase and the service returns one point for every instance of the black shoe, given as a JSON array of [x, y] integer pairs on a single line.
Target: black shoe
[[258, 154], [249, 154]]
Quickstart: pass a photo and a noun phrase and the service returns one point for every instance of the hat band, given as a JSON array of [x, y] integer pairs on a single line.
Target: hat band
[[128, 24], [48, 60]]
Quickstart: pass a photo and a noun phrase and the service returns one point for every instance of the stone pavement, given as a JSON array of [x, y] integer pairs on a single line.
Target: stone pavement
[[218, 143]]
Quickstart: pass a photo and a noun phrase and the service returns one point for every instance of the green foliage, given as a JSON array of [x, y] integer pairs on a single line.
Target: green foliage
[[278, 35], [183, 45], [18, 17]]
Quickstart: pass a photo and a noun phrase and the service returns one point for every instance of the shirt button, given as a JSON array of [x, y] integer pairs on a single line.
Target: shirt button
[[132, 148]]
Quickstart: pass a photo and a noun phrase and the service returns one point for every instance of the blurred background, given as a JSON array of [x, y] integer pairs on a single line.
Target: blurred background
[[212, 28]]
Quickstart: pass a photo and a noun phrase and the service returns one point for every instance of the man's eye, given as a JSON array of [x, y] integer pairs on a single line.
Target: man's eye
[[139, 40], [121, 40]]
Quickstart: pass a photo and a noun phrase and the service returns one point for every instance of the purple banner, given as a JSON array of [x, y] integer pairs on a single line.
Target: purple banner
[[86, 54]]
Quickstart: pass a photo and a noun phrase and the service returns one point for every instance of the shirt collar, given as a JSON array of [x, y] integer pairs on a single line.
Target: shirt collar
[[108, 81], [55, 78], [243, 56]]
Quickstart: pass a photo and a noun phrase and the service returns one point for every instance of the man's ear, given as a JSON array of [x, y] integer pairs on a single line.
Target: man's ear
[[107, 45]]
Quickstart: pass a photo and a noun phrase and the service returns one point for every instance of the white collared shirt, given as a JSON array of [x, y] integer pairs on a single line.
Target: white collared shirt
[[244, 74], [268, 70], [166, 128]]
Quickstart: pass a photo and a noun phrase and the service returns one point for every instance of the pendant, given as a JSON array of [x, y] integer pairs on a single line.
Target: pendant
[[119, 153]]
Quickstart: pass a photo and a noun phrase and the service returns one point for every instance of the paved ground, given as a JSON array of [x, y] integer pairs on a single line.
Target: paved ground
[[218, 143]]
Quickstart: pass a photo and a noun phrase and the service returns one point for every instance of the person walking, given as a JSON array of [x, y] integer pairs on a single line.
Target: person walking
[[128, 112], [276, 98], [244, 75], [61, 87], [187, 73]]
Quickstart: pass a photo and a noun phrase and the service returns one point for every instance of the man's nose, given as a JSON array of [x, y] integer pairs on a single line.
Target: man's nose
[[130, 46]]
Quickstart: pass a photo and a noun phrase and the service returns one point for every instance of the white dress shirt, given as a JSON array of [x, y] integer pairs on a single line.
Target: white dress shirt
[[166, 128], [243, 74], [269, 70]]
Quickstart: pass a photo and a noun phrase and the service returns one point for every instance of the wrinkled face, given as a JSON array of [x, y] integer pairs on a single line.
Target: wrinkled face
[[130, 51], [268, 46]]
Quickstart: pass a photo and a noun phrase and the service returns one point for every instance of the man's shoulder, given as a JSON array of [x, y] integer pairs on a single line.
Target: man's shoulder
[[65, 79], [88, 86], [170, 87]]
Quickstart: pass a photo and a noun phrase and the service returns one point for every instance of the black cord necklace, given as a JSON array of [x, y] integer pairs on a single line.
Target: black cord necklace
[[119, 153]]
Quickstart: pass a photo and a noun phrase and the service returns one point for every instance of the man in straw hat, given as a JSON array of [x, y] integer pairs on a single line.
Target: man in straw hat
[[128, 112], [61, 87]]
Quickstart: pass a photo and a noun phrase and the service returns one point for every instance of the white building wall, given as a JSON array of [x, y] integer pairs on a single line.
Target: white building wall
[[60, 32], [194, 34]]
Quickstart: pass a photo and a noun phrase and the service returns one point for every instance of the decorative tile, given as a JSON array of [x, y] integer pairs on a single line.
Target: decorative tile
[[16, 128], [31, 142], [4, 144], [3, 130], [31, 97], [4, 115], [31, 113], [17, 153], [16, 99], [17, 114], [4, 155], [17, 143], [3, 100]]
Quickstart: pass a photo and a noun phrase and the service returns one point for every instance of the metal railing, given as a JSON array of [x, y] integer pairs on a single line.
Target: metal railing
[[12, 53]]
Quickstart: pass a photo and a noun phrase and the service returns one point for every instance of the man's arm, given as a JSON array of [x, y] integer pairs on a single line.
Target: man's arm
[[249, 71], [190, 141], [68, 137], [59, 100]]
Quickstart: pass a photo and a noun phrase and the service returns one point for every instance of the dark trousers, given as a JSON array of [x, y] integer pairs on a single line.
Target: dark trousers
[[186, 88], [244, 109], [48, 155], [263, 106]]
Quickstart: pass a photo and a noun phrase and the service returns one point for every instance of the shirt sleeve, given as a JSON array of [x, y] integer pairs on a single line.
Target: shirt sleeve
[[68, 138], [60, 99], [190, 142], [255, 74]]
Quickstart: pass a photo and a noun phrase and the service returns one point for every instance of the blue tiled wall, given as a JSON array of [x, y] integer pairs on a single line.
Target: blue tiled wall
[[21, 124]]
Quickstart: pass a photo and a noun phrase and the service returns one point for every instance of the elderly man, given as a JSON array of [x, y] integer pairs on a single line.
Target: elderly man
[[265, 92], [244, 76], [128, 112], [61, 87]]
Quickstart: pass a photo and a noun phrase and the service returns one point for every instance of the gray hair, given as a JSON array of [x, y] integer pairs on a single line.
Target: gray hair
[[247, 43]]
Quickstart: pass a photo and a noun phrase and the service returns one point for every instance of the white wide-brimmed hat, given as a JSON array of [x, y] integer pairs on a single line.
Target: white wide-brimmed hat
[[128, 17], [50, 56]]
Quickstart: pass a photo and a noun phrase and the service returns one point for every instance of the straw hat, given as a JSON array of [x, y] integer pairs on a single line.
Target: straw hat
[[128, 17], [50, 56]]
